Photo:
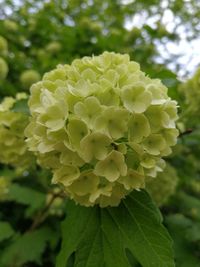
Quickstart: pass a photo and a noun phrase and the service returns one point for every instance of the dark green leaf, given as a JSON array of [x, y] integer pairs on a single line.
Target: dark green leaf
[[100, 237], [26, 248], [6, 230], [28, 196]]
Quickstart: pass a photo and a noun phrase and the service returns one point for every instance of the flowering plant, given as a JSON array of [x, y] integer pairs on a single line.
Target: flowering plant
[[102, 126]]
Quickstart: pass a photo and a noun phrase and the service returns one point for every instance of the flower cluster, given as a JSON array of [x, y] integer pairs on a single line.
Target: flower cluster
[[163, 186], [102, 126], [191, 91], [10, 25], [3, 69], [53, 47], [3, 46], [28, 77], [13, 148]]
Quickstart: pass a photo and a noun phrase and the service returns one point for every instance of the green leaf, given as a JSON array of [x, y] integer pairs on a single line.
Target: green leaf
[[21, 106], [27, 196], [26, 248], [100, 237], [6, 231]]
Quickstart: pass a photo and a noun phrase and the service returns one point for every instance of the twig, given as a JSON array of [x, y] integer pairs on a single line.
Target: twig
[[43, 214], [186, 132]]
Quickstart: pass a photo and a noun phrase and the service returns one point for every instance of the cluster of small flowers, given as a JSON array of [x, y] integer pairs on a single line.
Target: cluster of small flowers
[[102, 126], [13, 148], [191, 91], [163, 186]]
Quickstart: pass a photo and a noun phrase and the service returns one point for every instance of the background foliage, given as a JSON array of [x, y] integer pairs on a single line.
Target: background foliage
[[42, 34]]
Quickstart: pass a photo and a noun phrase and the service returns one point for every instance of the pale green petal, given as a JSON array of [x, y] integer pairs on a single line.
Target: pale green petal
[[95, 145], [85, 184], [112, 166], [58, 74], [139, 128], [45, 146], [133, 180], [154, 144], [77, 130], [81, 89], [170, 108], [108, 97], [118, 193], [170, 136], [113, 121], [69, 157], [136, 98], [88, 110], [89, 74], [147, 161], [65, 175], [49, 160], [112, 76], [157, 117], [47, 99], [105, 190]]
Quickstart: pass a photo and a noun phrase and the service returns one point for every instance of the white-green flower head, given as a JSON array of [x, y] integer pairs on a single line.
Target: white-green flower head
[[10, 25], [3, 46], [191, 91], [102, 126], [13, 148], [53, 47], [29, 77], [3, 69], [163, 186]]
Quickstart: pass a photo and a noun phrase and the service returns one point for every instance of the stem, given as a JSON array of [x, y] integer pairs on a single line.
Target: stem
[[186, 132], [43, 214]]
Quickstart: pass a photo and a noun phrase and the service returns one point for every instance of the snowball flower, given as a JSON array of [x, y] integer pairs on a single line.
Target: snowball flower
[[3, 46], [163, 186], [3, 69], [101, 126], [53, 47], [191, 92], [10, 25], [28, 77], [13, 148]]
